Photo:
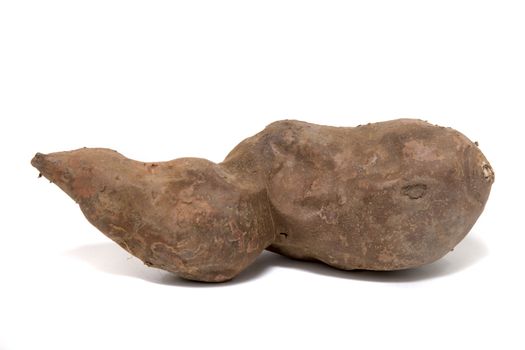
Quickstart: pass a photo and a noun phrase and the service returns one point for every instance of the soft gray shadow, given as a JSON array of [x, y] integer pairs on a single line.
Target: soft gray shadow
[[110, 258], [467, 253]]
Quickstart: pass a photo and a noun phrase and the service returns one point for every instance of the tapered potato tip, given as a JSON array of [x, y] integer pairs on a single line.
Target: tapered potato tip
[[42, 163], [38, 160], [80, 173], [53, 168], [48, 167]]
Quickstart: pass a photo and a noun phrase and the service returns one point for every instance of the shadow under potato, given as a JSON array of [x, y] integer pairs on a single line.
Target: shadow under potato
[[110, 258]]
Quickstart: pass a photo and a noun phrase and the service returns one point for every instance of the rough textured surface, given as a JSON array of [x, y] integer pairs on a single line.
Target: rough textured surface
[[384, 196]]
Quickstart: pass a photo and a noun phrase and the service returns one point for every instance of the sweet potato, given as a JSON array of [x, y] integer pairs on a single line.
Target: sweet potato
[[384, 196]]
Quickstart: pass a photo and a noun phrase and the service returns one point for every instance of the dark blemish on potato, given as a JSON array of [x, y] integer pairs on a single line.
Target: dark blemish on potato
[[284, 234], [416, 191]]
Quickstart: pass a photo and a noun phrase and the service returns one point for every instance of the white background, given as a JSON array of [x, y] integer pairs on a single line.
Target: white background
[[157, 80]]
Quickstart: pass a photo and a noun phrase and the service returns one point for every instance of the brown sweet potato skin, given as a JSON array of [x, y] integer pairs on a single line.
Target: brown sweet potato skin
[[384, 196]]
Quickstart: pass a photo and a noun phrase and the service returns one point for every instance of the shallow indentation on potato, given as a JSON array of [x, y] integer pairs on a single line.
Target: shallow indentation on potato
[[416, 191]]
